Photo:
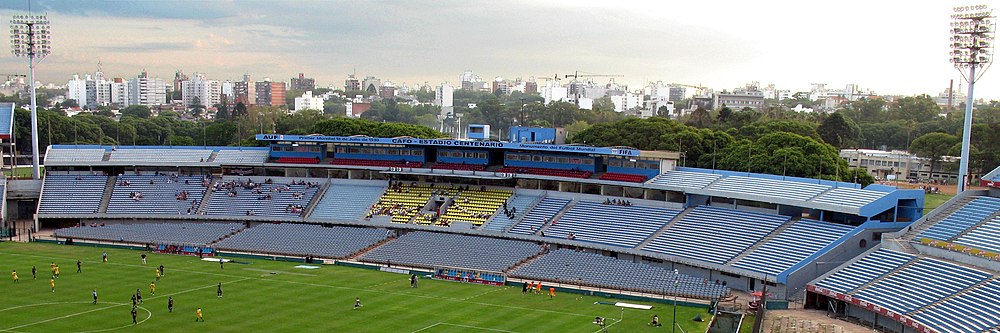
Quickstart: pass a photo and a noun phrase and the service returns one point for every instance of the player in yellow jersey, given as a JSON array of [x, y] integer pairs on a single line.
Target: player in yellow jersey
[[13, 275], [152, 288]]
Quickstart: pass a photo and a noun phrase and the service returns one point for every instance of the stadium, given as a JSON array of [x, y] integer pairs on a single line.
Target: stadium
[[613, 222]]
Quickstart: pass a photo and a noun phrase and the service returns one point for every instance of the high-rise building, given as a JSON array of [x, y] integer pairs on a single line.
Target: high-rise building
[[387, 90], [302, 83], [468, 80], [443, 96], [147, 91], [531, 87], [553, 91], [270, 93], [179, 78], [308, 102], [227, 92], [119, 92], [207, 92], [371, 84], [245, 91], [352, 83], [76, 89], [677, 93]]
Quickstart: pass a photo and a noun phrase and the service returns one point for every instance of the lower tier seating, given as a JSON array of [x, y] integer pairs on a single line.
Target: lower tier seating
[[430, 250], [303, 240], [198, 234]]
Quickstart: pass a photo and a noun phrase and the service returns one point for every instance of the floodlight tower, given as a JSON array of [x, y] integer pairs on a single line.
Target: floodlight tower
[[972, 31], [30, 37]]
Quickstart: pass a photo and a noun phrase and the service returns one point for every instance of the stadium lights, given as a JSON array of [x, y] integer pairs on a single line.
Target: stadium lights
[[972, 30], [30, 37]]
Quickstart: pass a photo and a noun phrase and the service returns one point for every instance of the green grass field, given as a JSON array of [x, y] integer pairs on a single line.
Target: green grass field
[[273, 296], [21, 172], [932, 201]]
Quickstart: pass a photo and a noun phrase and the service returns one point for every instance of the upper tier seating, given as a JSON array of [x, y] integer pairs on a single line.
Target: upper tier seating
[[346, 202], [869, 268], [303, 240], [971, 311], [243, 197], [401, 202], [962, 219], [430, 250], [475, 206], [710, 234], [157, 194], [685, 179], [297, 160], [519, 203], [771, 188], [595, 270], [376, 163], [984, 237], [198, 234], [547, 172], [795, 243], [160, 155], [849, 197], [247, 156], [459, 166], [542, 213], [74, 155], [919, 284], [623, 177], [72, 194], [624, 226]]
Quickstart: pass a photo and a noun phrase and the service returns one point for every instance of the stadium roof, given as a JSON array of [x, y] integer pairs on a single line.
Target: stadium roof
[[6, 120]]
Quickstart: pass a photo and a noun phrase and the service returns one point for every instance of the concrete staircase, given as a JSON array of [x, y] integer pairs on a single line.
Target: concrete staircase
[[109, 187], [669, 224], [311, 206], [760, 243], [556, 217]]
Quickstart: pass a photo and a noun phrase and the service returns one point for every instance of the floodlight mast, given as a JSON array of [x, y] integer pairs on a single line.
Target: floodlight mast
[[972, 30]]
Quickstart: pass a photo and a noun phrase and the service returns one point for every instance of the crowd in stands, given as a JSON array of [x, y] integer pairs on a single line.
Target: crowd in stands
[[618, 202]]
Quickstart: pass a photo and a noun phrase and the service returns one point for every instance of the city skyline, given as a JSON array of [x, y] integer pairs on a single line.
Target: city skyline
[[713, 44]]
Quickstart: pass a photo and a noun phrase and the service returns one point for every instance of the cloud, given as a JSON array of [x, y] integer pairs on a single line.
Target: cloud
[[144, 47]]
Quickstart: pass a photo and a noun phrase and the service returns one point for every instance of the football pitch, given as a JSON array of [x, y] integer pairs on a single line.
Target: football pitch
[[275, 296]]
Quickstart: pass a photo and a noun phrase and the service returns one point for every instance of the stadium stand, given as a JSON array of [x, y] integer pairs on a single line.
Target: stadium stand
[[160, 155], [962, 219], [595, 270], [257, 197], [82, 155], [793, 244], [72, 194], [775, 188], [6, 120], [346, 201], [157, 194], [703, 233], [401, 202], [245, 156], [430, 250], [198, 234], [375, 163], [303, 240], [459, 166], [966, 312], [919, 284], [547, 172], [610, 224], [542, 213], [985, 236], [475, 206], [849, 197], [696, 180], [297, 160], [623, 177], [519, 203], [869, 268]]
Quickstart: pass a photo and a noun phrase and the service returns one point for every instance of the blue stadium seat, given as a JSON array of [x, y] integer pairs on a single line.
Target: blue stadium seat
[[346, 202], [795, 243], [430, 250], [962, 219], [544, 211], [72, 194], [303, 240], [198, 234], [624, 226], [710, 234], [871, 267]]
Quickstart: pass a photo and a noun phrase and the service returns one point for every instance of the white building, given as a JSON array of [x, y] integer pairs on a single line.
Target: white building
[[308, 102], [626, 101], [119, 92], [444, 95], [147, 91], [208, 92], [553, 91], [76, 89]]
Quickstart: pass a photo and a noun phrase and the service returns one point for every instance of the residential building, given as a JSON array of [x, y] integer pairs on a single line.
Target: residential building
[[119, 92], [443, 96], [245, 91], [387, 90], [747, 97], [308, 102], [270, 93], [357, 106], [677, 93], [627, 101], [179, 78], [468, 80], [302, 83], [207, 92], [352, 83], [531, 87], [553, 91], [76, 89], [227, 92], [144, 90], [898, 164]]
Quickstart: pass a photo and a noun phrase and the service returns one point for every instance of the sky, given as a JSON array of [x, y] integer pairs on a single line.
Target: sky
[[891, 47]]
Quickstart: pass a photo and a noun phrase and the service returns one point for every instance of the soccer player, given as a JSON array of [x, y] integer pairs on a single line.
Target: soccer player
[[79, 266], [220, 263], [57, 271], [33, 270], [552, 292], [524, 288], [170, 304], [134, 303], [95, 296], [538, 288], [104, 256], [138, 296], [161, 270], [13, 275], [655, 321], [357, 303], [52, 282], [143, 256], [152, 288], [198, 316], [158, 274], [218, 291], [134, 314]]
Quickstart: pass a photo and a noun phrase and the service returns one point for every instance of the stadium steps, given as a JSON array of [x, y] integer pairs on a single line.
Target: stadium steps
[[211, 158], [354, 256], [820, 193], [212, 243], [930, 221], [761, 242], [887, 274], [316, 198], [668, 225], [109, 187], [107, 157], [557, 217], [526, 261], [517, 219], [203, 205]]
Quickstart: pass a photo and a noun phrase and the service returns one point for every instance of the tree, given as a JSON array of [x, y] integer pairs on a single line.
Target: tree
[[839, 130], [222, 111], [240, 110], [920, 108], [196, 107], [932, 146], [700, 117], [138, 111]]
